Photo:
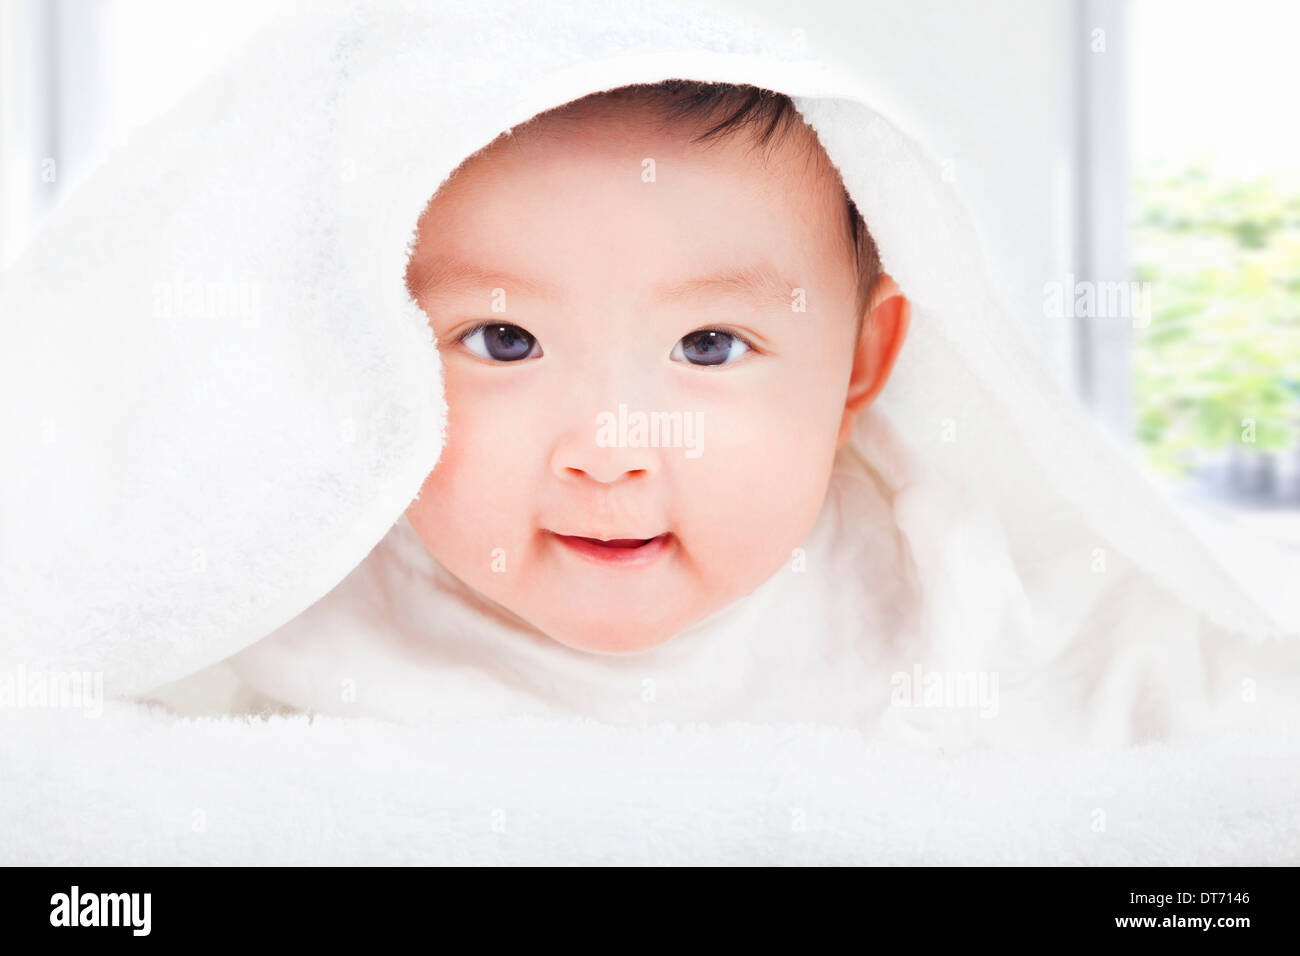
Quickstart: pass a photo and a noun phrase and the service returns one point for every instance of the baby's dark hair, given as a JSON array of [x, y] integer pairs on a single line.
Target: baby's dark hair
[[729, 108]]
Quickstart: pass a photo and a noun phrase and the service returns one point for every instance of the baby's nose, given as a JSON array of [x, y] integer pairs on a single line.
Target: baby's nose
[[609, 448]]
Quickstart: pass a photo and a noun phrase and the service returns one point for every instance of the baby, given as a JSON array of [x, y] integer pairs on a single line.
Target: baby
[[659, 315]]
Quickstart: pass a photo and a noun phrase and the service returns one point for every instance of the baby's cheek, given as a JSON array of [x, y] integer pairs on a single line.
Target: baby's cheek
[[749, 500], [466, 506]]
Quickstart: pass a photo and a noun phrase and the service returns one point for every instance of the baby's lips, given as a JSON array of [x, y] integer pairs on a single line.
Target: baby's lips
[[617, 552], [612, 542]]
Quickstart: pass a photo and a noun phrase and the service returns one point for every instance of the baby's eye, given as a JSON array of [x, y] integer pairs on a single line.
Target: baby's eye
[[709, 347], [500, 343]]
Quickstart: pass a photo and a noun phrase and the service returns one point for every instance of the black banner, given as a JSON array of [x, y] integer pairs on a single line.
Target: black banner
[[1166, 906]]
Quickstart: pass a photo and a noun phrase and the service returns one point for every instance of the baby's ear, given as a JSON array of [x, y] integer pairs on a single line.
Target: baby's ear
[[884, 327]]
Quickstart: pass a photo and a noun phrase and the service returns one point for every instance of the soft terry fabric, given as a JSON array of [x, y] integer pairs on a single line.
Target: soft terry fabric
[[137, 788], [217, 399]]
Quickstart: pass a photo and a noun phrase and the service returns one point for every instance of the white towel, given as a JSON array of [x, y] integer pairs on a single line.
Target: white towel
[[141, 789], [217, 398]]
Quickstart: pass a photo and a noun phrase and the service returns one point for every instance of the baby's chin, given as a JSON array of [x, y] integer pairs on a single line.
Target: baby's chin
[[631, 610], [619, 634], [634, 627]]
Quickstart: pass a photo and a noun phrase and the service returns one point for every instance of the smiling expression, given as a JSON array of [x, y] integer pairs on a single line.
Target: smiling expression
[[562, 282]]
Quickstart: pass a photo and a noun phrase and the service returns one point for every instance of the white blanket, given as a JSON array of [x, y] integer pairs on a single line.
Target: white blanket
[[217, 399], [141, 788]]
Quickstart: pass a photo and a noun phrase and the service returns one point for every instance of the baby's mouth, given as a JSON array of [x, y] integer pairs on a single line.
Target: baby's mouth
[[615, 542], [623, 552]]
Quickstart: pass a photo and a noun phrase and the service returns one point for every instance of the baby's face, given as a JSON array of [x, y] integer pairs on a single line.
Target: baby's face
[[627, 276]]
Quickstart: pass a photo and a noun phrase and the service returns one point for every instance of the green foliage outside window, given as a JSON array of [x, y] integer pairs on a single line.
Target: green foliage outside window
[[1222, 349]]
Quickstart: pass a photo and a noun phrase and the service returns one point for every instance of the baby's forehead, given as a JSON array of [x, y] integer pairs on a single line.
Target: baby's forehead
[[732, 197], [623, 122]]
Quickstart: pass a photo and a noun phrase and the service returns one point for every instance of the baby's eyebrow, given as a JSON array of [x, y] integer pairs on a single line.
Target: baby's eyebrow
[[760, 282], [443, 275]]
